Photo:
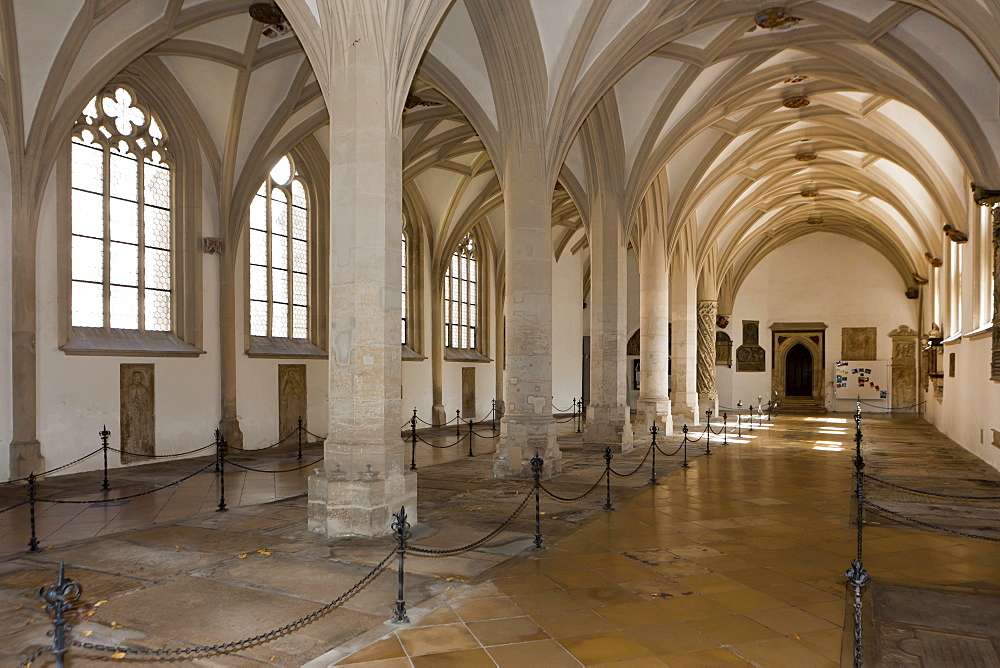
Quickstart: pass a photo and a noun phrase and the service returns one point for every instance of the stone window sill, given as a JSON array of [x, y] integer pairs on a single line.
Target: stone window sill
[[269, 347], [127, 343], [408, 354], [465, 355]]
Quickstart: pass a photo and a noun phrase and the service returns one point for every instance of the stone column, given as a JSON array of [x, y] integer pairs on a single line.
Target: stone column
[[904, 369], [684, 347], [365, 478], [708, 395], [654, 327], [608, 415], [995, 365], [438, 415], [527, 427], [229, 425]]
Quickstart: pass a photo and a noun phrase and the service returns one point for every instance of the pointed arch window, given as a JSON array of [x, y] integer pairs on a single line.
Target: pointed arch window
[[279, 255], [403, 292], [461, 297], [121, 217]]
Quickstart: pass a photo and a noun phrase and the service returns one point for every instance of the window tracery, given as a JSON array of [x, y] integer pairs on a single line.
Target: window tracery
[[461, 296], [121, 219]]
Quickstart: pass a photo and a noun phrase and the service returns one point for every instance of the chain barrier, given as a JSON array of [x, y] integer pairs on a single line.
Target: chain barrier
[[636, 469], [894, 408], [16, 505], [53, 470], [250, 468], [37, 653], [672, 453], [427, 551], [322, 438], [936, 527], [573, 498], [440, 447], [129, 496], [238, 645], [176, 454], [926, 493]]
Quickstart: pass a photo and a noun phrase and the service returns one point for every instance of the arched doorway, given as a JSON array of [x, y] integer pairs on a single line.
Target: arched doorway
[[798, 372]]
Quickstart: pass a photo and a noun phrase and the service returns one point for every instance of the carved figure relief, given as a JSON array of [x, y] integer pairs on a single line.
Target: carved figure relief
[[858, 343], [707, 312], [750, 356], [291, 397], [903, 393], [137, 415], [723, 349]]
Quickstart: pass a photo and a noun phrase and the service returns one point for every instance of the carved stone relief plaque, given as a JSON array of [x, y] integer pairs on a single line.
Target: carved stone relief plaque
[[723, 349], [904, 368], [750, 356], [137, 415], [858, 343], [291, 397], [468, 392]]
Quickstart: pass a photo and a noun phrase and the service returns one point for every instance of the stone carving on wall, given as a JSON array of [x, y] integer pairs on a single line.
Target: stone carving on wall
[[723, 349], [137, 415], [633, 345], [858, 343], [468, 392], [903, 392], [291, 398], [750, 356], [707, 311]]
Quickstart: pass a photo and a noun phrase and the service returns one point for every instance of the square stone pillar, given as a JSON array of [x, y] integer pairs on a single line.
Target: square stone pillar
[[527, 427], [654, 341], [609, 423], [364, 480]]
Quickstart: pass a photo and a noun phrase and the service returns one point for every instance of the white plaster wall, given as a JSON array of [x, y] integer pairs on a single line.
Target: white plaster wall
[[257, 380], [567, 329], [77, 395], [6, 216], [821, 277], [967, 412], [417, 391]]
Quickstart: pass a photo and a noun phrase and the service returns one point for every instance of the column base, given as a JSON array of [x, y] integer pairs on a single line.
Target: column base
[[437, 414], [361, 507], [521, 438], [709, 402], [655, 411], [230, 430], [685, 411], [607, 427], [26, 457]]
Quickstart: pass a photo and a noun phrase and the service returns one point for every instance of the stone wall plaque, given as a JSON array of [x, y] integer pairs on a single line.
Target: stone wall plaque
[[292, 396], [858, 343], [137, 415], [723, 349], [903, 394], [750, 356], [468, 392]]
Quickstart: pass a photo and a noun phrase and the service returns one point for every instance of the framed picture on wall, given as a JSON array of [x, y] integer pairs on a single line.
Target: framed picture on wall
[[635, 374]]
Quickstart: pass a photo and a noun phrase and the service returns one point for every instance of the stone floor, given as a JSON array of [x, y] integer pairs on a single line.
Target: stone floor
[[737, 559]]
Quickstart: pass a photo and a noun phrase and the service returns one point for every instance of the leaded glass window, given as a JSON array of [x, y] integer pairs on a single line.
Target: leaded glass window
[[403, 295], [461, 296], [121, 216], [279, 258]]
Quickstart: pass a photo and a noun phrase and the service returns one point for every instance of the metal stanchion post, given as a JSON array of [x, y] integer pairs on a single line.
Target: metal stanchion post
[[684, 443], [750, 414], [579, 415], [739, 419], [760, 411], [471, 454], [725, 429], [222, 476], [607, 478], [458, 422], [413, 441], [857, 576], [104, 446], [33, 541], [299, 430], [536, 472], [401, 528], [652, 446], [59, 598], [493, 416], [218, 445], [708, 433]]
